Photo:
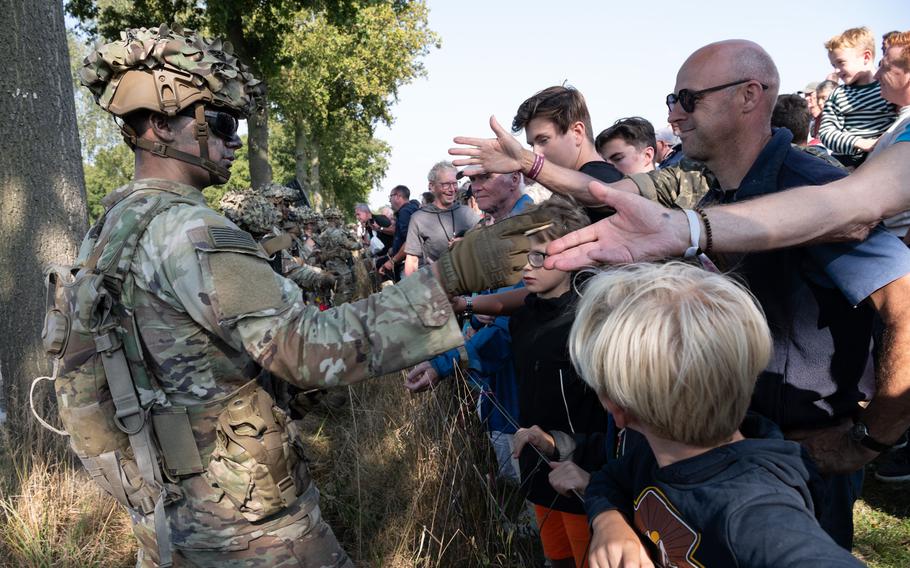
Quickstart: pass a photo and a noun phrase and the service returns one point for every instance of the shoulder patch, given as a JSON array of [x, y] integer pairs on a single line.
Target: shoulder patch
[[226, 237]]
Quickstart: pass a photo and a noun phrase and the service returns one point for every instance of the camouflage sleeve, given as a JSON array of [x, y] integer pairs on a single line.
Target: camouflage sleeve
[[677, 186], [307, 277], [201, 264]]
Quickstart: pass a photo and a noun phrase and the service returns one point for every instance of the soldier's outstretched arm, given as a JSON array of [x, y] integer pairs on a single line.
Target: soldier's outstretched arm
[[203, 265]]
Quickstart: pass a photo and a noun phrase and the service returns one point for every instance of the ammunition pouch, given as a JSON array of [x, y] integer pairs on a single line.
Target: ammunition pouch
[[254, 461]]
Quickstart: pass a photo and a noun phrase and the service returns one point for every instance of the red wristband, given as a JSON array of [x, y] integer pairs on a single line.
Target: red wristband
[[538, 165]]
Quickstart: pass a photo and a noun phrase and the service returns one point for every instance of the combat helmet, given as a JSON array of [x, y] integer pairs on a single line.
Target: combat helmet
[[173, 71], [333, 213], [274, 190], [250, 211]]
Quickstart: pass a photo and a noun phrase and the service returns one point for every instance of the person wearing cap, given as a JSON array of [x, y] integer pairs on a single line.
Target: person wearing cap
[[669, 148], [214, 474]]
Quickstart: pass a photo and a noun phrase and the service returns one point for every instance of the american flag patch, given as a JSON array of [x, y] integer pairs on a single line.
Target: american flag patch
[[225, 237]]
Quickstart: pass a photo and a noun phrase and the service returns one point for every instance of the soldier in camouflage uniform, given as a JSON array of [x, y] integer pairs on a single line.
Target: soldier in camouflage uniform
[[335, 246], [210, 313], [255, 214]]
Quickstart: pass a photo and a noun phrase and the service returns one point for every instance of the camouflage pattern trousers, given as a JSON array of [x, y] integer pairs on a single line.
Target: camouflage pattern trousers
[[344, 286], [219, 536]]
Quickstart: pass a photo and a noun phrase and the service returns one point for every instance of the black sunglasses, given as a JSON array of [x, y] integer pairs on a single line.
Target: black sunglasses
[[222, 124], [687, 98]]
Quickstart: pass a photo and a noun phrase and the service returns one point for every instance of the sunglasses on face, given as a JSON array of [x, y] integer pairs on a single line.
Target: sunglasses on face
[[687, 98], [222, 124]]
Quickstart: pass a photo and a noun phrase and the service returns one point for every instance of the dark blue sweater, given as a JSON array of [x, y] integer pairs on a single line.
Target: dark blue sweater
[[745, 504]]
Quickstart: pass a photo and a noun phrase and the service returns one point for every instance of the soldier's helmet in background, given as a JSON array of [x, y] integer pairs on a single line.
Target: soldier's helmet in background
[[333, 214], [274, 190], [250, 211]]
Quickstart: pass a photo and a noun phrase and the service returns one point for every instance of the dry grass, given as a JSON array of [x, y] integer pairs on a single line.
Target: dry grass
[[404, 482]]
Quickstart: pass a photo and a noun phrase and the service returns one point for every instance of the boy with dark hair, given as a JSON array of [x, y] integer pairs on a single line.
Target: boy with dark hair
[[855, 115], [629, 145], [673, 352], [561, 416], [557, 126], [792, 112]]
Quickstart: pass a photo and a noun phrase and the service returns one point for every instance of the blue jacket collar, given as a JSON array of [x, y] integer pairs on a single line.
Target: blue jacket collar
[[765, 170]]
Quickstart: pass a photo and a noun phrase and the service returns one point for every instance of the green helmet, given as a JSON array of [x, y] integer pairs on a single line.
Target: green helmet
[[250, 211], [274, 190], [170, 70], [333, 213]]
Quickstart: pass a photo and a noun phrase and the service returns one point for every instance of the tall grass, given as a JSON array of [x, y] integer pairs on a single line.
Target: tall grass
[[405, 480]]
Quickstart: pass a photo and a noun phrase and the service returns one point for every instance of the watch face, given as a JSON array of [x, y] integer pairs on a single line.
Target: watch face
[[859, 431]]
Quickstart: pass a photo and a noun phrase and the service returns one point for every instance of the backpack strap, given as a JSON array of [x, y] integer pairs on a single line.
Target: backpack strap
[[126, 220]]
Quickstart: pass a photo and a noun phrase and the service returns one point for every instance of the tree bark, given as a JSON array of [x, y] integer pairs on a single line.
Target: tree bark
[[306, 164], [42, 192], [258, 139], [258, 123]]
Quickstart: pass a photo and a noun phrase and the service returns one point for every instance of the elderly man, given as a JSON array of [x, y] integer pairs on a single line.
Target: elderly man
[[821, 369], [434, 227], [488, 350], [669, 150]]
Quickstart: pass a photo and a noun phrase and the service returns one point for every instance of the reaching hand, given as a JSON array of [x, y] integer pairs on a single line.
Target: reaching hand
[[567, 478], [500, 155], [832, 449], [422, 377], [639, 230], [615, 544], [537, 438]]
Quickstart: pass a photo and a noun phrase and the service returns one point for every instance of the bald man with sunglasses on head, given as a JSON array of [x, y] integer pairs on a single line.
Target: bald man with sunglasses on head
[[820, 301]]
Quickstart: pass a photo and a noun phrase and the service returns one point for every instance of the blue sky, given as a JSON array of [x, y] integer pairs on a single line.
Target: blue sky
[[623, 56]]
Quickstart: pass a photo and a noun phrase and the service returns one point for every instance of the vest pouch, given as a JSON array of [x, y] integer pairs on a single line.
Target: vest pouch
[[253, 461]]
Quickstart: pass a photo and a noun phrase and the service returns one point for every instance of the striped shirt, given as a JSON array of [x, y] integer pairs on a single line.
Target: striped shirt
[[854, 112]]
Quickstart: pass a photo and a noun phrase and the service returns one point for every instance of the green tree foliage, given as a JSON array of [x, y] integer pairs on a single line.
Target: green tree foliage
[[333, 69], [342, 69], [111, 168]]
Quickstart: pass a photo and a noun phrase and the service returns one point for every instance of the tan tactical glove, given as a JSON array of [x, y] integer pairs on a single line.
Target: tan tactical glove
[[490, 257]]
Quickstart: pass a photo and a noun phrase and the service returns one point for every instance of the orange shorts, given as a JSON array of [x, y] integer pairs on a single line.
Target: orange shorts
[[564, 535]]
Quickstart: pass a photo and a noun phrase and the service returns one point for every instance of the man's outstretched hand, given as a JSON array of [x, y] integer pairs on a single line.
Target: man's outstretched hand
[[639, 230], [500, 155]]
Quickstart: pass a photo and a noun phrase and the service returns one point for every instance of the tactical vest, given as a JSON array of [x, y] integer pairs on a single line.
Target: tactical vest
[[133, 443]]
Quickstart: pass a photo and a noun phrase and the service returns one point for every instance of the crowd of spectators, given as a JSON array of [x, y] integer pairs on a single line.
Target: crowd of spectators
[[663, 413]]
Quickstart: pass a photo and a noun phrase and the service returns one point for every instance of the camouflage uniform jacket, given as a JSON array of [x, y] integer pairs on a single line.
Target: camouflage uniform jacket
[[682, 185], [211, 313], [335, 242]]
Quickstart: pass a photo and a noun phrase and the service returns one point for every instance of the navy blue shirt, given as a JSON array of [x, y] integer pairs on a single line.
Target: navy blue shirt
[[820, 368], [402, 220], [746, 504]]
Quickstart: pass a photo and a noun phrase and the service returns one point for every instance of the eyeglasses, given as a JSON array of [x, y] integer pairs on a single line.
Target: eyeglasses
[[535, 258], [449, 184], [687, 98]]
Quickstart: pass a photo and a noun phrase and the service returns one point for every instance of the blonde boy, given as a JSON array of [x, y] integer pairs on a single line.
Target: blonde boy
[[673, 352], [855, 114]]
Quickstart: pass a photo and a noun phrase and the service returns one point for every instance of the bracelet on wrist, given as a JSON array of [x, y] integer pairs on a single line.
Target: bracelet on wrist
[[709, 237], [536, 167], [468, 306]]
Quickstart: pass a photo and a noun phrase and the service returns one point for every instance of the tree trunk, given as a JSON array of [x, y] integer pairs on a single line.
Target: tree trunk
[[306, 165], [258, 123], [42, 192], [258, 139]]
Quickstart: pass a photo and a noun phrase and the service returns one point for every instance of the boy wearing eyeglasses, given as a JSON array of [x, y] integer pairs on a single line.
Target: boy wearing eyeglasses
[[561, 416]]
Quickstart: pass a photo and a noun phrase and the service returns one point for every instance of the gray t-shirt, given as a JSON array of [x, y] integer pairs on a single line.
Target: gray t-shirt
[[432, 228]]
